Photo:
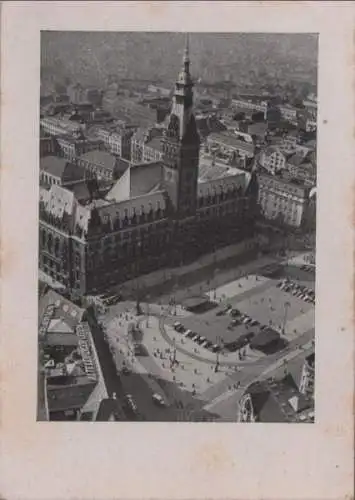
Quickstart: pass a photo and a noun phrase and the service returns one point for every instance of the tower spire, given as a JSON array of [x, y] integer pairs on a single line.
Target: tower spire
[[186, 51]]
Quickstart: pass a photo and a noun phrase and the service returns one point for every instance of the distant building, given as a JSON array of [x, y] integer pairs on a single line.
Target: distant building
[[72, 147], [228, 143], [48, 145], [307, 377], [303, 166], [281, 200], [272, 160], [288, 112], [254, 104], [311, 106], [102, 164], [146, 145], [56, 170], [58, 126], [161, 91], [117, 139], [311, 125], [209, 124], [79, 94]]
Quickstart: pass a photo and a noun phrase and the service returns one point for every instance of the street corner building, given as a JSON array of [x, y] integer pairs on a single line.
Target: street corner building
[[165, 212], [71, 385], [289, 399]]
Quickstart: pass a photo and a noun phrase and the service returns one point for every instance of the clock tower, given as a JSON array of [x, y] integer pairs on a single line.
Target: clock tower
[[181, 145]]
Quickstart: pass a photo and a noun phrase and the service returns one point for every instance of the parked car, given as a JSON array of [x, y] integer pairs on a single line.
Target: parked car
[[130, 403], [158, 400], [125, 370], [241, 342], [189, 334], [235, 313]]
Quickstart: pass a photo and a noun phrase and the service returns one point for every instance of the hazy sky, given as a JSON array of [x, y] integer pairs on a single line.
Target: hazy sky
[[91, 56]]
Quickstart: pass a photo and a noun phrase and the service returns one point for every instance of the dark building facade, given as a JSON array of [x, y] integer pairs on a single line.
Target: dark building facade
[[157, 215]]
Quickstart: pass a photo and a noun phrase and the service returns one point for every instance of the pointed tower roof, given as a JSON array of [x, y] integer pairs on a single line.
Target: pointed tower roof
[[184, 77], [187, 49]]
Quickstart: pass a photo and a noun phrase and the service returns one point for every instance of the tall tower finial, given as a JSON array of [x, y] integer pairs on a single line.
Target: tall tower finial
[[186, 51]]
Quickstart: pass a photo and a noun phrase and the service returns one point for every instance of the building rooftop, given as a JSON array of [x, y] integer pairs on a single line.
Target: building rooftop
[[64, 311], [137, 180], [258, 129], [155, 143], [273, 148], [66, 397], [231, 141], [280, 401], [210, 169], [290, 185], [61, 168], [101, 158], [298, 158], [80, 191]]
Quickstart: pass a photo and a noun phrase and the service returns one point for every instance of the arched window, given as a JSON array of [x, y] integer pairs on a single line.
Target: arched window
[[56, 246], [43, 237], [125, 220], [50, 243], [134, 217]]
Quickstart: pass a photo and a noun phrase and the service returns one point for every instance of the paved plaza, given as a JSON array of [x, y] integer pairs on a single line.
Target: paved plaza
[[179, 369]]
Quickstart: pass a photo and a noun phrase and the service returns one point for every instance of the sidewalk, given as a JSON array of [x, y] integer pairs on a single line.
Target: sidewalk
[[121, 348]]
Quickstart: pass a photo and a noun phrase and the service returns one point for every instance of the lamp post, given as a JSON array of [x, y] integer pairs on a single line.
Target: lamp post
[[286, 306], [218, 340]]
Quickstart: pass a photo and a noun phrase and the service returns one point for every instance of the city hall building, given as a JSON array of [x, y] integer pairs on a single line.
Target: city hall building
[[158, 214]]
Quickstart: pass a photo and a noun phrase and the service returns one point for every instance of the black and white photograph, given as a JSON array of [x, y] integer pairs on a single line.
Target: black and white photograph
[[177, 227]]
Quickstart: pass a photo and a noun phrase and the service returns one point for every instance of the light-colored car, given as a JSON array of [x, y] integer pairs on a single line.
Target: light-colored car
[[158, 399], [131, 403]]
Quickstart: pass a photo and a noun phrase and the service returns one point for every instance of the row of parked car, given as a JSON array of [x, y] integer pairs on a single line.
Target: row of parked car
[[199, 339], [300, 291], [108, 299], [240, 318]]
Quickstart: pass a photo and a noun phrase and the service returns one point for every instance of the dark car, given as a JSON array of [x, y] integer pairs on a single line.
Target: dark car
[[220, 313], [125, 370], [131, 404], [242, 341], [235, 313]]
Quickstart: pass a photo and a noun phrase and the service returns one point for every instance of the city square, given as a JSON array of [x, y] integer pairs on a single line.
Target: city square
[[179, 369], [179, 216]]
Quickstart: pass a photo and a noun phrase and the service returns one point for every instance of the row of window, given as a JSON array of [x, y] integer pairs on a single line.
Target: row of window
[[102, 172], [49, 179]]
